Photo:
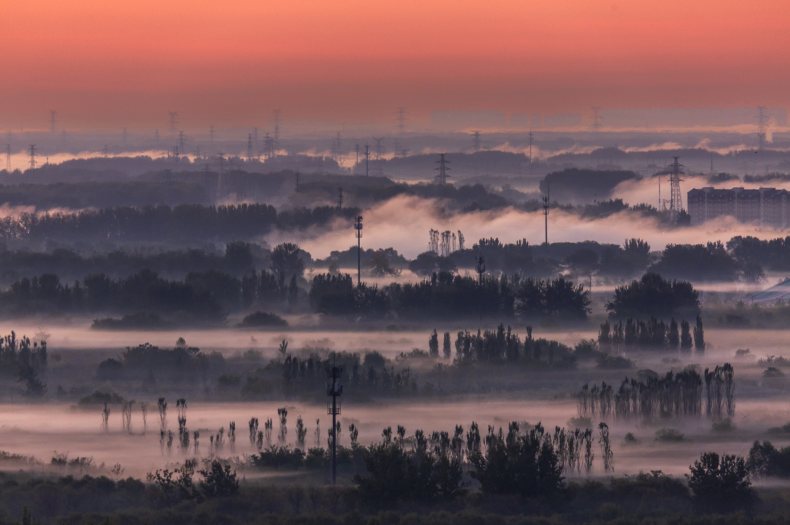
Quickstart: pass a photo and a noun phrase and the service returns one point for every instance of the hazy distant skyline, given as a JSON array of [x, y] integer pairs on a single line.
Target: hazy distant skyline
[[230, 63]]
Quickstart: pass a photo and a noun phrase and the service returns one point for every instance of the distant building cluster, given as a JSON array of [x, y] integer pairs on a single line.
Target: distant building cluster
[[766, 206]]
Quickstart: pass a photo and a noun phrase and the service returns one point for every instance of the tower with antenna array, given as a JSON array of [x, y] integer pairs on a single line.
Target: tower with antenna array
[[32, 153], [173, 121], [441, 178], [52, 114], [596, 125], [476, 141]]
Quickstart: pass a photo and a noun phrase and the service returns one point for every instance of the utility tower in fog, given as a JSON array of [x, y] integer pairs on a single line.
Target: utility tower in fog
[[8, 157], [156, 137], [441, 178], [379, 161], [276, 125], [530, 147], [211, 134], [173, 121], [476, 141], [340, 198], [358, 228], [676, 201], [761, 125], [596, 125], [401, 120], [106, 151], [181, 147], [249, 147], [32, 156], [52, 114], [221, 159], [335, 390], [546, 205], [367, 160]]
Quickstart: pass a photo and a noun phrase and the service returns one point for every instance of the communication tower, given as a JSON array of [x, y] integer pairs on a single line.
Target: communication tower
[[334, 390]]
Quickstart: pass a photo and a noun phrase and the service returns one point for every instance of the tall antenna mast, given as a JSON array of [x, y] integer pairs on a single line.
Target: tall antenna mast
[[334, 390], [441, 178], [52, 114]]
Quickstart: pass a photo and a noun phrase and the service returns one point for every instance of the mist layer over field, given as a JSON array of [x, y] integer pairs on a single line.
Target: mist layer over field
[[404, 221]]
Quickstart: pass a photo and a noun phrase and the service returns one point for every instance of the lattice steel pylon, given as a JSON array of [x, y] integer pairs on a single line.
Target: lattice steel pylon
[[441, 178], [674, 171]]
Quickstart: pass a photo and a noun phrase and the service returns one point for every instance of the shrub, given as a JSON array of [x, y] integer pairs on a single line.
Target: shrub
[[262, 319], [721, 483]]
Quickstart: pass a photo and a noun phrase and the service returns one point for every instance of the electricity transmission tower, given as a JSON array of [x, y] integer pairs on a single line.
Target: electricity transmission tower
[[334, 390], [401, 120], [268, 146], [173, 121], [761, 127], [530, 148], [441, 178], [340, 197], [546, 205], [676, 201], [32, 156], [249, 147], [476, 141], [276, 125], [367, 160], [596, 125], [52, 114], [358, 228], [379, 160], [221, 159]]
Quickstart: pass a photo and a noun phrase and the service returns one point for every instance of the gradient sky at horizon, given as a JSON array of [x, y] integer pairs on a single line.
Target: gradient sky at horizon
[[128, 62]]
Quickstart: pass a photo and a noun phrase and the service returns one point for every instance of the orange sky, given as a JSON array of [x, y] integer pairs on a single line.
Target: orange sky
[[127, 62]]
